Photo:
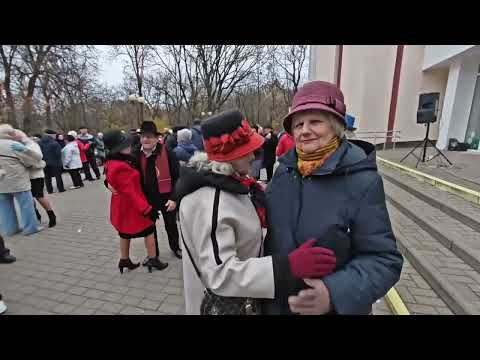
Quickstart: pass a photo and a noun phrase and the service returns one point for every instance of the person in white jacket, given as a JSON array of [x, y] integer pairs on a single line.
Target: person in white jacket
[[15, 162], [72, 162], [221, 218], [37, 176]]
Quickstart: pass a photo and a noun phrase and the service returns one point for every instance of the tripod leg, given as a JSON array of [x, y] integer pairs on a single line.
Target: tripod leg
[[439, 152], [411, 152]]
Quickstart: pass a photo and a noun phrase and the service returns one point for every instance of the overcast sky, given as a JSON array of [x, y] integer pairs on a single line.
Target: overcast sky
[[111, 72]]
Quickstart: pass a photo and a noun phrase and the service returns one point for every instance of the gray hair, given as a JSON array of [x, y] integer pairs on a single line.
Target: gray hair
[[184, 135], [338, 127], [200, 161]]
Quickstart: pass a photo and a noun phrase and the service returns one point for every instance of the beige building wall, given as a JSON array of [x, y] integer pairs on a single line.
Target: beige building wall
[[366, 81], [322, 62], [413, 83]]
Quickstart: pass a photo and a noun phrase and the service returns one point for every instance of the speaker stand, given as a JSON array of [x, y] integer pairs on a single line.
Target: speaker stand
[[424, 144]]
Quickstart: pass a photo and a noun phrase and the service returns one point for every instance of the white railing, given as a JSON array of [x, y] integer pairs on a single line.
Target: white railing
[[392, 135]]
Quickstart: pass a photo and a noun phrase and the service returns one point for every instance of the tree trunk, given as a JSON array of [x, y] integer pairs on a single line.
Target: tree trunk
[[27, 114], [48, 115], [10, 110]]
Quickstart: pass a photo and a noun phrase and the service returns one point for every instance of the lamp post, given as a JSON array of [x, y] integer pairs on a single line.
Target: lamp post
[[139, 102]]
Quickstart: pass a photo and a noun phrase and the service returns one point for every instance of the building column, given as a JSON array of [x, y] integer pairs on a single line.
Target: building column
[[457, 103], [322, 63]]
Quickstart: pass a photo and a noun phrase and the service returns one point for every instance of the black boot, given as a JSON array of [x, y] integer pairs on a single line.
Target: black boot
[[155, 263], [39, 217], [52, 218], [7, 258], [177, 253], [127, 263]]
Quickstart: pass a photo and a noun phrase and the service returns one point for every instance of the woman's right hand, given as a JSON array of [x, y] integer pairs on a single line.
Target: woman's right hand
[[311, 262]]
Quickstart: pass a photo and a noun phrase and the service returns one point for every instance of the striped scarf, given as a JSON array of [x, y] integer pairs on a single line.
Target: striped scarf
[[308, 163]]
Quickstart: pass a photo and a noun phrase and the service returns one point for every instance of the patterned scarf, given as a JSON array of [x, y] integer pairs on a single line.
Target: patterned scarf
[[308, 163]]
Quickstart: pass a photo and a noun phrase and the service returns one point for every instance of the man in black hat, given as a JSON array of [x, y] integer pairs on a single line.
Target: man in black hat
[[159, 170]]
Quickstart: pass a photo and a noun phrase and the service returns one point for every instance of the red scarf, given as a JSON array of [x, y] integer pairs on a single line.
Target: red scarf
[[257, 194], [162, 170]]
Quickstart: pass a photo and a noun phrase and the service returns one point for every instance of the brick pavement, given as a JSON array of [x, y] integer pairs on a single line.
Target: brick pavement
[[443, 197], [451, 232], [72, 268], [462, 278]]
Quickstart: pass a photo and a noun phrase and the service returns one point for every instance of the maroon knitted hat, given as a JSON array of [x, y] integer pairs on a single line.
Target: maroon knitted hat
[[317, 95]]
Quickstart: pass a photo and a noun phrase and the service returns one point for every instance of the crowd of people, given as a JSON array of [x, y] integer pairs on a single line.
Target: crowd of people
[[314, 238], [27, 166]]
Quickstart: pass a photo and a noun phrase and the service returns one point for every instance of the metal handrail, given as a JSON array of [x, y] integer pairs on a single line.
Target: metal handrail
[[394, 135]]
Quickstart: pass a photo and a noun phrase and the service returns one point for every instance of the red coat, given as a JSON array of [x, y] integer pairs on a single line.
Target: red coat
[[285, 144], [129, 206], [83, 150]]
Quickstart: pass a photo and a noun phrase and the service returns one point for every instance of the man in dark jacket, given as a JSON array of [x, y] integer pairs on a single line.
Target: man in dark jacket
[[87, 138], [52, 155], [159, 171], [197, 136], [269, 148]]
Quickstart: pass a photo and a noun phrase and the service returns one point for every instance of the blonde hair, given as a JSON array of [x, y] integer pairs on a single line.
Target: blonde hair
[[200, 161]]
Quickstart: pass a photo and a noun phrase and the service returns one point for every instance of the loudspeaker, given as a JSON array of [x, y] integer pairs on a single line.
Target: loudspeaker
[[427, 108]]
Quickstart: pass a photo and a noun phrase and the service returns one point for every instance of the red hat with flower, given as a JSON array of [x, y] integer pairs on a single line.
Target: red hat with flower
[[228, 136]]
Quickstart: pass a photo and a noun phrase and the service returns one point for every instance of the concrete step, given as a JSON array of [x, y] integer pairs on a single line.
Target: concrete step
[[457, 237], [456, 207], [451, 278]]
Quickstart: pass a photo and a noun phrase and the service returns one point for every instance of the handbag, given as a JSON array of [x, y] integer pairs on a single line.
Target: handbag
[[213, 304]]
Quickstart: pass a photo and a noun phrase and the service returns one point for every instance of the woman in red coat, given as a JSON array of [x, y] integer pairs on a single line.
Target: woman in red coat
[[285, 144], [130, 213]]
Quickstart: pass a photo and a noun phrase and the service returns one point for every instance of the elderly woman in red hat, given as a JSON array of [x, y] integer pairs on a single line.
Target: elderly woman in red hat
[[327, 189], [221, 214]]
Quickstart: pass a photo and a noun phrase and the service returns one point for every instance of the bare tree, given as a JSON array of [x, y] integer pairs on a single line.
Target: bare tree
[[138, 59], [182, 86], [8, 55], [29, 69], [290, 59], [223, 68]]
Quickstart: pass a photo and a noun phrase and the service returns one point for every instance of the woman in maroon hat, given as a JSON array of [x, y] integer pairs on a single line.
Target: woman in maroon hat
[[328, 189], [221, 215]]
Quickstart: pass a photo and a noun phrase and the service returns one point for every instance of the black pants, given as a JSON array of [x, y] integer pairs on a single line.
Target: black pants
[[86, 169], [76, 177], [53, 171], [269, 168], [170, 221], [93, 164]]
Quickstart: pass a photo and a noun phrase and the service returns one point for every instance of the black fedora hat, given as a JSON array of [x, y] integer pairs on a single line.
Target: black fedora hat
[[149, 127], [115, 141]]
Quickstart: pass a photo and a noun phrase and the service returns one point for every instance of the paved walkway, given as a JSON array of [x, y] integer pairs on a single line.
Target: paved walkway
[[72, 268], [465, 170]]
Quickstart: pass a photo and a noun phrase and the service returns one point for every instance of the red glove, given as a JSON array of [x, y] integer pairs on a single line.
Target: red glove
[[311, 262]]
